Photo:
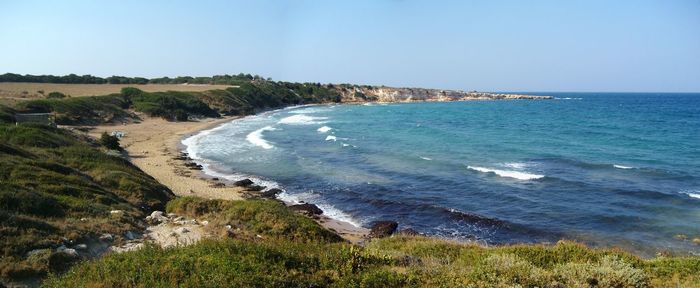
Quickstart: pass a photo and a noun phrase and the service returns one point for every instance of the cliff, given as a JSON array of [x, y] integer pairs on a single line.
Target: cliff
[[389, 94]]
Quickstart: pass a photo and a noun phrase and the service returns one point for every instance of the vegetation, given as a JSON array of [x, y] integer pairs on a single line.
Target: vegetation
[[56, 188], [293, 251], [109, 141], [89, 79], [55, 95], [245, 99], [80, 110]]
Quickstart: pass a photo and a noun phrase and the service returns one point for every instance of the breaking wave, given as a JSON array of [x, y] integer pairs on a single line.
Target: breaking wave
[[301, 119], [256, 139], [507, 173]]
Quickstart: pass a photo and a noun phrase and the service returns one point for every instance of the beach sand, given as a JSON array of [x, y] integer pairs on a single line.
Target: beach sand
[[153, 144]]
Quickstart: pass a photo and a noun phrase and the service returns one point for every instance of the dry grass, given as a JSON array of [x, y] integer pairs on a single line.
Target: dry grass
[[13, 92]]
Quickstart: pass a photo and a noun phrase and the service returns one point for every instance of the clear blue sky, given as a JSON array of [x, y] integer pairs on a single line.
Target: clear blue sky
[[482, 45]]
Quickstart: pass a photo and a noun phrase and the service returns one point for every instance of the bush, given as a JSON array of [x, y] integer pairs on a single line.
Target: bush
[[109, 141], [56, 95]]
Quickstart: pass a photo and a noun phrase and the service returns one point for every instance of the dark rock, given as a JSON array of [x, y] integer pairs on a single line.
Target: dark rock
[[309, 209], [215, 179], [243, 183], [383, 229], [409, 232], [255, 188], [271, 193]]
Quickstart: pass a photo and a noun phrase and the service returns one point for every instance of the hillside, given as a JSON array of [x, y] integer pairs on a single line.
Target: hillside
[[59, 189]]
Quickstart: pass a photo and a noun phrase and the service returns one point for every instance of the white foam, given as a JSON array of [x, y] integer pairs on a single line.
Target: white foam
[[622, 167], [507, 173], [324, 129], [256, 139], [515, 165], [567, 98], [328, 210], [192, 143], [301, 119], [692, 193], [426, 158], [331, 138]]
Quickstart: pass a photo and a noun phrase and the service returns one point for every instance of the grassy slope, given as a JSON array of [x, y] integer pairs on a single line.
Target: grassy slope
[[284, 257], [246, 99], [49, 180]]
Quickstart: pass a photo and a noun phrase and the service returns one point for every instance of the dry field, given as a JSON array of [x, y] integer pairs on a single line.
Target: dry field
[[13, 92]]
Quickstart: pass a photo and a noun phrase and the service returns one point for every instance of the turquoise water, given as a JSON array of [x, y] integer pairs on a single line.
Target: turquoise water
[[604, 169]]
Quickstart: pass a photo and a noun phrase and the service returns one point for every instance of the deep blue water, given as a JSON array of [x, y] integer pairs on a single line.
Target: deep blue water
[[607, 169]]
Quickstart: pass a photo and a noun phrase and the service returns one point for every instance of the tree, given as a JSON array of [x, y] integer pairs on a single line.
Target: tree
[[109, 141]]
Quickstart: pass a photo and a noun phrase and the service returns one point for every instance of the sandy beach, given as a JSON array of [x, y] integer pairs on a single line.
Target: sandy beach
[[154, 143]]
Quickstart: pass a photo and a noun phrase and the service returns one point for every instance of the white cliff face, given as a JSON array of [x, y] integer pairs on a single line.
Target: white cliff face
[[390, 94]]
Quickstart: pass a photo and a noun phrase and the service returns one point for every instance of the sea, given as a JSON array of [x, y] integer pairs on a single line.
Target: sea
[[604, 169]]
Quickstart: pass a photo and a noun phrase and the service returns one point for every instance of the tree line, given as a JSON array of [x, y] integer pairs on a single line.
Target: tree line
[[90, 79]]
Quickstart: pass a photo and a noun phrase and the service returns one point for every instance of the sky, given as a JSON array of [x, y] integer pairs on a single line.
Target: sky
[[622, 46]]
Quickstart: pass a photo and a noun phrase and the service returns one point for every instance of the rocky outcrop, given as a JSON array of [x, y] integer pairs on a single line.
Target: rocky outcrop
[[383, 229], [390, 94], [306, 208]]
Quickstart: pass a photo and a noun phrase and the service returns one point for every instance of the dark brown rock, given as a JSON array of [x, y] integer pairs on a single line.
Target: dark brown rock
[[256, 188], [309, 209], [243, 183], [270, 193], [383, 229]]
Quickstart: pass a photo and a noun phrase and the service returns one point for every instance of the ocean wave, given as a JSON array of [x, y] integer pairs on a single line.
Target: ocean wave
[[301, 119], [324, 129], [192, 143], [331, 138], [328, 210], [309, 110], [515, 165], [692, 193], [567, 98], [622, 166], [256, 139], [426, 158], [507, 173]]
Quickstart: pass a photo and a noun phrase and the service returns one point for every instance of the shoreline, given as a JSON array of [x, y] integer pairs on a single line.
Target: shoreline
[[154, 145], [350, 232]]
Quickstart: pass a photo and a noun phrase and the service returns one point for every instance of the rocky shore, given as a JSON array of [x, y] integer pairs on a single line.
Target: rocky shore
[[390, 94]]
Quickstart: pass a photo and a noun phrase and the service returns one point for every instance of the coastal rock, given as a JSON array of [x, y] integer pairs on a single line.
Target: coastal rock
[[106, 237], [68, 251], [383, 229], [182, 230], [156, 217], [270, 193], [243, 183], [81, 247], [309, 209], [409, 232], [255, 188]]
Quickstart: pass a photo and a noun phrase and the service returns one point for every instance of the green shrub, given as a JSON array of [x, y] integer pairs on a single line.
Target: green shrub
[[55, 95], [109, 141]]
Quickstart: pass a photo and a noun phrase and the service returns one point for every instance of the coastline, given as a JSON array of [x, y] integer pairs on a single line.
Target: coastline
[[154, 145]]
